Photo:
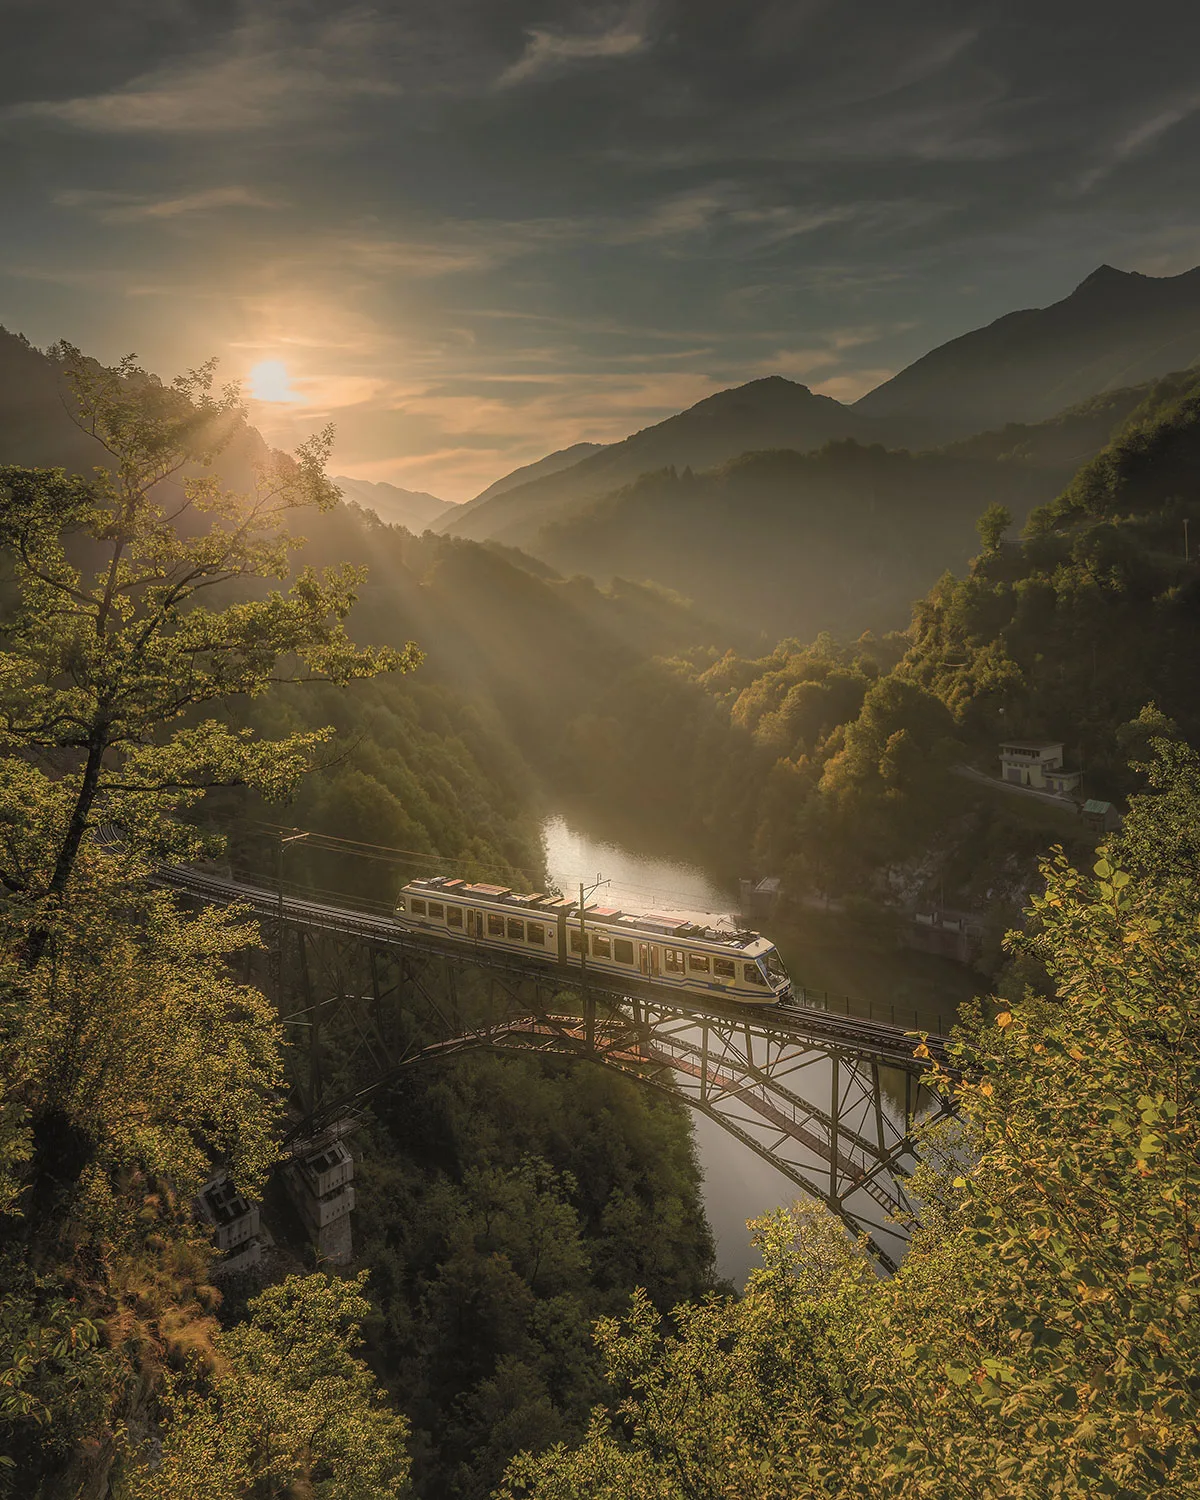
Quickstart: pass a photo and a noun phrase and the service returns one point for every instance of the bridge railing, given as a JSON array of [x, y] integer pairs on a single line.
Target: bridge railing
[[907, 1017]]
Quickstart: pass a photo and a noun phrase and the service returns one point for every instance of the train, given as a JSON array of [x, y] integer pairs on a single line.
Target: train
[[662, 950]]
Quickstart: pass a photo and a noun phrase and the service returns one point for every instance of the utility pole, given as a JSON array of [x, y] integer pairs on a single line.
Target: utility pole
[[1186, 550], [589, 1005], [284, 840]]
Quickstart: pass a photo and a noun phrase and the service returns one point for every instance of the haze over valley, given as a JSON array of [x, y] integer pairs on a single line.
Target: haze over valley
[[599, 751]]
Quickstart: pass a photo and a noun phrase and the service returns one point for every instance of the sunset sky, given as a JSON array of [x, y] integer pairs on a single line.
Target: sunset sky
[[473, 231]]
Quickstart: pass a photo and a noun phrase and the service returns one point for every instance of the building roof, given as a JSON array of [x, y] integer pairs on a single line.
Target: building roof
[[1093, 805], [1031, 744]]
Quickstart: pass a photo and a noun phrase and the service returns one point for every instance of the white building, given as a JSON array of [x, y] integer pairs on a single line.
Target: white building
[[1037, 763]]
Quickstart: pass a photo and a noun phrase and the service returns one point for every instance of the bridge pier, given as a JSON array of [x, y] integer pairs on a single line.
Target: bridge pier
[[320, 1182]]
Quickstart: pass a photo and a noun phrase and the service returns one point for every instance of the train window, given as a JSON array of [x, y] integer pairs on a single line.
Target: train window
[[399, 903], [698, 962], [516, 929], [418, 907], [454, 916], [724, 968], [673, 960], [754, 975], [601, 946], [623, 951], [436, 909], [495, 925], [576, 940], [536, 933]]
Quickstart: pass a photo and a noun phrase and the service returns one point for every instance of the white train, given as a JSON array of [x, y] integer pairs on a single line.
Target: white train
[[661, 950]]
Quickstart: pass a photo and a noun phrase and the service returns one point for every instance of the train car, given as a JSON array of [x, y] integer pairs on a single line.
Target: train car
[[656, 948]]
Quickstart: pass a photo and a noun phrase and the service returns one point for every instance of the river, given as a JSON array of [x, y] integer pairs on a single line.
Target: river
[[738, 1185]]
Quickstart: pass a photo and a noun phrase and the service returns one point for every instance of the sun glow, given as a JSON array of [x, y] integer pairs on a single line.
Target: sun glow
[[269, 381]]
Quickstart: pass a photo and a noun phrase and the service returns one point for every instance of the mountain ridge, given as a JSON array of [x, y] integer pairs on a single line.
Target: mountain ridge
[[1115, 328], [771, 412], [413, 509]]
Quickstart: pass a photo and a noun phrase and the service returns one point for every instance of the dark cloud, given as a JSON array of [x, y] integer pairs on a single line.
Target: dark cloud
[[479, 229]]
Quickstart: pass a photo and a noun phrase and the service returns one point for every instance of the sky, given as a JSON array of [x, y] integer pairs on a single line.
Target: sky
[[470, 232]]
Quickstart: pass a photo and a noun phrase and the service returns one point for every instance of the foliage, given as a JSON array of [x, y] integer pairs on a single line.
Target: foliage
[[285, 1407], [992, 525], [1040, 1338], [112, 640], [131, 1059], [505, 1204]]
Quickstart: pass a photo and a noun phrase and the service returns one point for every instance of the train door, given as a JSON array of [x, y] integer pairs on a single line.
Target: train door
[[474, 922], [648, 960]]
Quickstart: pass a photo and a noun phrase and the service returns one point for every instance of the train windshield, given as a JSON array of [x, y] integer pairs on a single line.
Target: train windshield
[[776, 973]]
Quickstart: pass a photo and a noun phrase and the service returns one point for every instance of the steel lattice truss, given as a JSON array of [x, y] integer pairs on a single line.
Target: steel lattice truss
[[831, 1108]]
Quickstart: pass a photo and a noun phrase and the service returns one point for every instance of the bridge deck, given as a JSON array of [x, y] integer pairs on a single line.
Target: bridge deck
[[871, 1039]]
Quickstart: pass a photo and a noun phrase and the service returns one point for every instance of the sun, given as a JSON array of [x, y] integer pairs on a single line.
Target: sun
[[269, 381]]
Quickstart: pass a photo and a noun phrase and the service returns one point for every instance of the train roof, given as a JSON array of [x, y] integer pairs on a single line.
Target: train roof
[[656, 924]]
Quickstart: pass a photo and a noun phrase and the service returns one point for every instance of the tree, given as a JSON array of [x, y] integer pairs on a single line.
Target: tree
[[286, 1408], [992, 525], [113, 649], [130, 1059], [1040, 1338]]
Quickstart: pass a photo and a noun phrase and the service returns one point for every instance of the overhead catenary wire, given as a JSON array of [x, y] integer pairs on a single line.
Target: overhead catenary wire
[[389, 854]]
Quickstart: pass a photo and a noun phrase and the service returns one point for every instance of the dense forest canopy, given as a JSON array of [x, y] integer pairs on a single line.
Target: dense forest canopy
[[200, 640], [134, 1060], [1040, 1337]]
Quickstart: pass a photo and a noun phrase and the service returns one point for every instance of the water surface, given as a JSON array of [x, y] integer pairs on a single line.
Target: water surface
[[738, 1184]]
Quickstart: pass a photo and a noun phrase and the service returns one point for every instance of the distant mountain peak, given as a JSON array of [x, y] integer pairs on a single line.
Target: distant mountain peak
[[1107, 279], [1117, 328], [1103, 273]]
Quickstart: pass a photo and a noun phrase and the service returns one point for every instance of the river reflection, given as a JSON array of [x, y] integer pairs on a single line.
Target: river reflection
[[738, 1185], [635, 882]]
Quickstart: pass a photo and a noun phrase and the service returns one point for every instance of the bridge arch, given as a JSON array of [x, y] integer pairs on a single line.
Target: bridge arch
[[829, 1101]]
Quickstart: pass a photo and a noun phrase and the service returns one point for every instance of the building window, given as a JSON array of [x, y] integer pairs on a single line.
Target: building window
[[724, 968], [516, 929], [698, 963], [601, 946], [754, 975], [454, 916], [418, 907], [436, 909], [623, 951], [495, 925], [673, 960], [536, 933]]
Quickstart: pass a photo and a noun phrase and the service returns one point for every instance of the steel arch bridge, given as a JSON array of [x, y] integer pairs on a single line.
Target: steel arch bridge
[[830, 1102]]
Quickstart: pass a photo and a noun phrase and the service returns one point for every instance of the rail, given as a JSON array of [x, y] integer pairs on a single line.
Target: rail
[[814, 1013]]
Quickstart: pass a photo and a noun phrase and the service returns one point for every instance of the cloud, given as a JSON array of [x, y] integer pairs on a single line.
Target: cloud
[[1139, 138], [263, 78], [546, 51], [827, 355], [120, 208]]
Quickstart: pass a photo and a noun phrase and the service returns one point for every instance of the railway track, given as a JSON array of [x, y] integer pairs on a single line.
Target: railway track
[[875, 1039]]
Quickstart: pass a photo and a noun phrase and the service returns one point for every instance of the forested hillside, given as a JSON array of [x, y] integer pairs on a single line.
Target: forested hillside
[[789, 544], [169, 679], [1040, 1338], [411, 508], [506, 1204], [842, 539], [835, 762], [768, 413]]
